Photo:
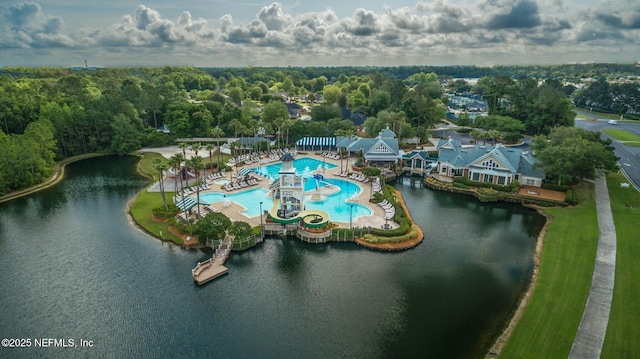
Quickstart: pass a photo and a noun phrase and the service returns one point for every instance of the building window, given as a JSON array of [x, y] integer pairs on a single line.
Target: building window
[[530, 182], [488, 178], [502, 180], [490, 165], [381, 149], [475, 176]]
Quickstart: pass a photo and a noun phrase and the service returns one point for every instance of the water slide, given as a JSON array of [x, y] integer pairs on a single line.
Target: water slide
[[312, 218]]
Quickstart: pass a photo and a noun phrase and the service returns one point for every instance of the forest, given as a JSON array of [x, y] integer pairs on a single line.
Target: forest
[[48, 114]]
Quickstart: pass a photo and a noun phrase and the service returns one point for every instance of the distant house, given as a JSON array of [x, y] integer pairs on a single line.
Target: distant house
[[357, 118], [294, 110], [492, 164]]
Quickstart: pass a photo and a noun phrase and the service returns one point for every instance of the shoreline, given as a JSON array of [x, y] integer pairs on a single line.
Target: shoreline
[[501, 341], [56, 176]]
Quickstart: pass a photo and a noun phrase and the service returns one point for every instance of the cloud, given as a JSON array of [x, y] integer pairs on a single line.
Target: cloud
[[510, 14], [618, 15], [438, 29], [146, 28], [445, 17], [26, 25], [363, 23]]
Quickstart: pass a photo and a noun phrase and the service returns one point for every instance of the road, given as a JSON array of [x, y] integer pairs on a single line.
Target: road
[[629, 156]]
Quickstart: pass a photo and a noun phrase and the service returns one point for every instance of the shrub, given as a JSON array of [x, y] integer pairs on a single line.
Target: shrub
[[555, 187], [572, 197], [161, 213], [460, 185], [371, 171]]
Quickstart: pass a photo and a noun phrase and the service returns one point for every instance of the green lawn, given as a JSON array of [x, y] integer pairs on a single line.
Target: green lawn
[[141, 207], [141, 212], [623, 333], [550, 321], [624, 136]]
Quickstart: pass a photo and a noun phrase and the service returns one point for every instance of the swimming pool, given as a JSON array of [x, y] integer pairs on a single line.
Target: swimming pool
[[303, 167], [335, 205]]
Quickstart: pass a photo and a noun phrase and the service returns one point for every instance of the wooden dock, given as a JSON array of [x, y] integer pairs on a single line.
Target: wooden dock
[[214, 266]]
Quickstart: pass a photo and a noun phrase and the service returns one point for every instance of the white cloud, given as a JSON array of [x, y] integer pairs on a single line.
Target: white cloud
[[508, 30]]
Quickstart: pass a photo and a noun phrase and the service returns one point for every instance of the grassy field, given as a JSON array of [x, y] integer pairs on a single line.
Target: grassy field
[[627, 137], [623, 333], [550, 321]]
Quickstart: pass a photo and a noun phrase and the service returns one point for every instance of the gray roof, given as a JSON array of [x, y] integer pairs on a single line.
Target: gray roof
[[515, 160], [286, 157]]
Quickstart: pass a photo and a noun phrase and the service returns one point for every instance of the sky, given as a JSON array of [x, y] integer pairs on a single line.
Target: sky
[[222, 33]]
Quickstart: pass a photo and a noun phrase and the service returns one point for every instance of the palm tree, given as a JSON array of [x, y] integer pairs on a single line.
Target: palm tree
[[195, 147], [176, 161], [348, 133], [236, 124], [493, 134], [217, 133], [287, 123], [183, 146], [196, 163], [209, 147], [475, 134], [341, 133], [160, 166]]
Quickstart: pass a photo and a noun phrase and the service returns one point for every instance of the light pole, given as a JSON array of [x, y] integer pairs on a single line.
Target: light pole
[[260, 214], [350, 216]]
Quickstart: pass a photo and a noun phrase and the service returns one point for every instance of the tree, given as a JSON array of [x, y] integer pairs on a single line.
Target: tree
[[176, 163], [217, 133], [569, 152], [378, 101], [126, 137], [183, 146], [160, 166], [325, 113], [240, 229], [210, 147], [196, 163], [211, 227], [331, 94]]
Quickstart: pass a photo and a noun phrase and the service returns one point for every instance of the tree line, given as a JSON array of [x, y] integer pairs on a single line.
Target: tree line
[[118, 110]]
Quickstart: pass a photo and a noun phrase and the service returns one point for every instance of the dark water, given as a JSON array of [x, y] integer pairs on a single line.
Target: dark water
[[74, 268]]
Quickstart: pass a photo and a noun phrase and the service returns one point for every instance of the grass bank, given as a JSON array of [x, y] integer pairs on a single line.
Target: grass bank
[[629, 139], [623, 331], [142, 206], [550, 321]]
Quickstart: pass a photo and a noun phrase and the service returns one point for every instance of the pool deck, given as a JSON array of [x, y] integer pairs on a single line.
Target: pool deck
[[234, 211]]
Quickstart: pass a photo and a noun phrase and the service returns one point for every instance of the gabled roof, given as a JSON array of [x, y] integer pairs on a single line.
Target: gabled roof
[[449, 144], [513, 159], [387, 133], [416, 154]]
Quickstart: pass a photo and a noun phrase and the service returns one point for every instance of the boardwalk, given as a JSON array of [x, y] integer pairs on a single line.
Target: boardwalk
[[213, 267], [593, 327]]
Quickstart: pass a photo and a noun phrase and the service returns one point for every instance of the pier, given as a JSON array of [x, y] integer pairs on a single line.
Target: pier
[[214, 266]]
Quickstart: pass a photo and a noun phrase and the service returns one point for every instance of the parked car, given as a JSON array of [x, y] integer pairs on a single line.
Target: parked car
[[613, 122]]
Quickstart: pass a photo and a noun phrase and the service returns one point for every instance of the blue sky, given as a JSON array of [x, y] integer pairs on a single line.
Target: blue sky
[[317, 33]]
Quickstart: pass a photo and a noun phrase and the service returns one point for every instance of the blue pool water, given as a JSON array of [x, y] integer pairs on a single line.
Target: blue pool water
[[303, 167], [335, 204]]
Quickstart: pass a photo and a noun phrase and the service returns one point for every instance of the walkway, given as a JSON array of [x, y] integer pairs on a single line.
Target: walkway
[[593, 326], [214, 267]]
